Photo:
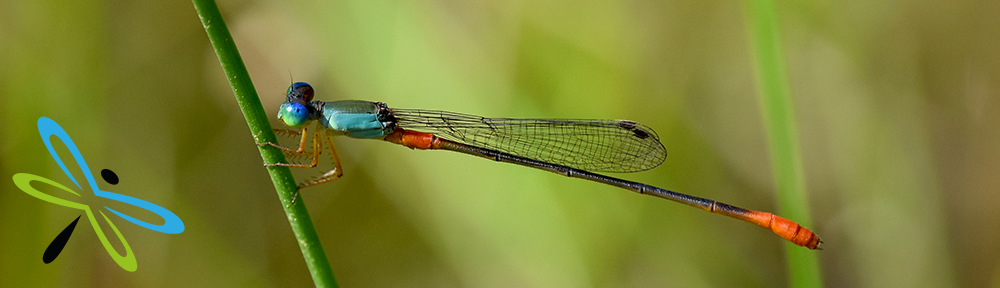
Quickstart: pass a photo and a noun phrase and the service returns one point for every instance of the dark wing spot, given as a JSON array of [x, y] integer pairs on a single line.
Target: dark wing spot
[[631, 126], [628, 125], [640, 133]]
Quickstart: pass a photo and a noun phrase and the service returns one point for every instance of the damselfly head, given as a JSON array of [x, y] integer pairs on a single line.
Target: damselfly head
[[295, 111]]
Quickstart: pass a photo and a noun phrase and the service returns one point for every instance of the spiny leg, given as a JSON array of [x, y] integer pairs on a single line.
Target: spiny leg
[[302, 142], [331, 175], [317, 147]]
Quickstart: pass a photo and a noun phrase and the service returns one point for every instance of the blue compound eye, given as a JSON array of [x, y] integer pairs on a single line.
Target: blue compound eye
[[294, 114], [300, 90]]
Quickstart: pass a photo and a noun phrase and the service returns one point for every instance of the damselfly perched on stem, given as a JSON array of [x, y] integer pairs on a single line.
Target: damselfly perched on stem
[[571, 147]]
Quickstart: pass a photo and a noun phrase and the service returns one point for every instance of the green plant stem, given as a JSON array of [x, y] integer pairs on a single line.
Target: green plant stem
[[260, 127], [779, 121]]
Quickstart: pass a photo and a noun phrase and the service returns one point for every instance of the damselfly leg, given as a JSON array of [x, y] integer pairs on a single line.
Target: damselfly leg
[[317, 147]]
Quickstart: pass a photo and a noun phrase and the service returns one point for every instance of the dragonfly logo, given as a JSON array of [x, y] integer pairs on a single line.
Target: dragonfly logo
[[48, 128]]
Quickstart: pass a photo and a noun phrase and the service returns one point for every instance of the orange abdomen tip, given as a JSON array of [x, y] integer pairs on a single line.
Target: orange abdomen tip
[[785, 228], [794, 232]]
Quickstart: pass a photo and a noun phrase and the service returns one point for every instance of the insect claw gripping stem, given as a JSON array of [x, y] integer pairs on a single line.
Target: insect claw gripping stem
[[317, 142]]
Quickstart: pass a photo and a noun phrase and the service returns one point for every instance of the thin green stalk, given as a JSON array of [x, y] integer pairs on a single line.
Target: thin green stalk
[[260, 127], [779, 121]]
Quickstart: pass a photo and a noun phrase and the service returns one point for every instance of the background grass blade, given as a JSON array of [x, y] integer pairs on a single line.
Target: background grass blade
[[779, 121]]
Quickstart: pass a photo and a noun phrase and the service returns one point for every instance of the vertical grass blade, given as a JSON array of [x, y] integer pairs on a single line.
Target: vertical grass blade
[[260, 127], [779, 121]]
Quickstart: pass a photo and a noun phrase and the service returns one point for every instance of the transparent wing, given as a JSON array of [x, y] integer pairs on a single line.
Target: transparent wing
[[620, 146]]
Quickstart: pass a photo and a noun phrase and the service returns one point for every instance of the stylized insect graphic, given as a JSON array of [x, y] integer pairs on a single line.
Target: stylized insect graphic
[[48, 128]]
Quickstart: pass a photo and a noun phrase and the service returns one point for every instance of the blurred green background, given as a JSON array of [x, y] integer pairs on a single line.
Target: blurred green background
[[896, 105]]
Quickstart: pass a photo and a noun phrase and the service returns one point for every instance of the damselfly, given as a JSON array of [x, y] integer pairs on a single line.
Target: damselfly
[[570, 147]]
